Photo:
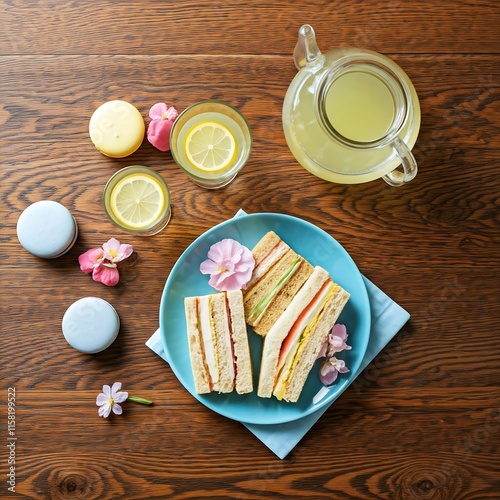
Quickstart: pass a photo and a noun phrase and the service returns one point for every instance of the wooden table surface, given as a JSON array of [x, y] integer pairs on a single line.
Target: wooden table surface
[[423, 421]]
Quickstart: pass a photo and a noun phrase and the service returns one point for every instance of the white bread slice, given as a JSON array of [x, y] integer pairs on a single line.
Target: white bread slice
[[244, 372], [280, 329], [311, 346], [222, 343], [196, 352]]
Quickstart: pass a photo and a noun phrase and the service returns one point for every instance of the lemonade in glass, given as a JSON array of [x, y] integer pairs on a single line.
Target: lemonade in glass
[[137, 199], [211, 142]]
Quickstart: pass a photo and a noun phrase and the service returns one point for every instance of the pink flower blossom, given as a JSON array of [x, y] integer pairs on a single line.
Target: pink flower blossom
[[162, 119], [330, 369], [335, 343], [114, 251], [101, 262], [229, 264], [160, 111]]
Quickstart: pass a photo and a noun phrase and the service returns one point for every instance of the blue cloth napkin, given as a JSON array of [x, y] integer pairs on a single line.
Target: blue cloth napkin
[[387, 318]]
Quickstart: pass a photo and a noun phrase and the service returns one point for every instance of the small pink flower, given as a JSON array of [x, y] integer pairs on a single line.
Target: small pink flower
[[160, 111], [162, 119], [330, 369], [335, 343], [101, 262], [114, 251], [229, 264]]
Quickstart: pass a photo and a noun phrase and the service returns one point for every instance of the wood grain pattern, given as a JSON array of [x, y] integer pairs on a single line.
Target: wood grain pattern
[[422, 421], [239, 27]]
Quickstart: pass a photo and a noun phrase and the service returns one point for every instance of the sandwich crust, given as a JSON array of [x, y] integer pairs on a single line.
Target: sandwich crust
[[196, 352], [264, 246], [242, 360]]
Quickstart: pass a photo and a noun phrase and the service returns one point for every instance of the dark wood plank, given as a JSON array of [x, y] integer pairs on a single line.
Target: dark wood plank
[[58, 93], [227, 28]]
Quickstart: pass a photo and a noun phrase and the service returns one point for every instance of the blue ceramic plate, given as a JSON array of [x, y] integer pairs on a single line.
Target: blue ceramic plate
[[315, 245]]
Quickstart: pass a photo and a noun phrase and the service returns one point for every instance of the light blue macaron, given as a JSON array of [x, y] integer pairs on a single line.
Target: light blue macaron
[[47, 229], [90, 325]]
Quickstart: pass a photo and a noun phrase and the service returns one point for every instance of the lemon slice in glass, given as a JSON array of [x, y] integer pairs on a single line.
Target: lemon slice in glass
[[138, 201], [210, 146]]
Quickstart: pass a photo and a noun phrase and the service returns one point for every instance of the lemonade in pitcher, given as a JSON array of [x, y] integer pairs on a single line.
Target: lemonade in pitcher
[[360, 107], [351, 115]]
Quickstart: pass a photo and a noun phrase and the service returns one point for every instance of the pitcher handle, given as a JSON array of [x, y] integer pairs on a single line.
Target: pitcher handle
[[408, 164]]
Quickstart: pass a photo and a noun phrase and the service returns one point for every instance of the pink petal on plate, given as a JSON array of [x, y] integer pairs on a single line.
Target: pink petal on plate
[[339, 331], [232, 283], [209, 267], [328, 374]]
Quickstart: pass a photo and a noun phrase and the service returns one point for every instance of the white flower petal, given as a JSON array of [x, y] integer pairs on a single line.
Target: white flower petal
[[116, 387], [117, 409], [105, 410], [107, 390], [101, 399], [120, 397]]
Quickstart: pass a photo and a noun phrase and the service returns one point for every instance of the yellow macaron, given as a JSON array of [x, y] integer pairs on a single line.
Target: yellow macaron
[[117, 129]]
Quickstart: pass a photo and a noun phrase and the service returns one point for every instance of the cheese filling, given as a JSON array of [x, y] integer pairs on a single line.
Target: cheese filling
[[293, 343]]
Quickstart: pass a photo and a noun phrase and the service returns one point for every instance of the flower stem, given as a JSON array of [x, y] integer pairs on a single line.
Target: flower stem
[[141, 401]]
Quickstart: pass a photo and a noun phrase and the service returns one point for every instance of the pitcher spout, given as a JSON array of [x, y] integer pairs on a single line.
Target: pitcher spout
[[306, 50]]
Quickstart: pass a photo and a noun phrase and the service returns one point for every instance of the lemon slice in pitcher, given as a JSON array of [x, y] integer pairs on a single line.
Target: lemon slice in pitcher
[[138, 201], [210, 146]]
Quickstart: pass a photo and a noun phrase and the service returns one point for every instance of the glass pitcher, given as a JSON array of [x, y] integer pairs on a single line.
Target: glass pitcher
[[351, 115]]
